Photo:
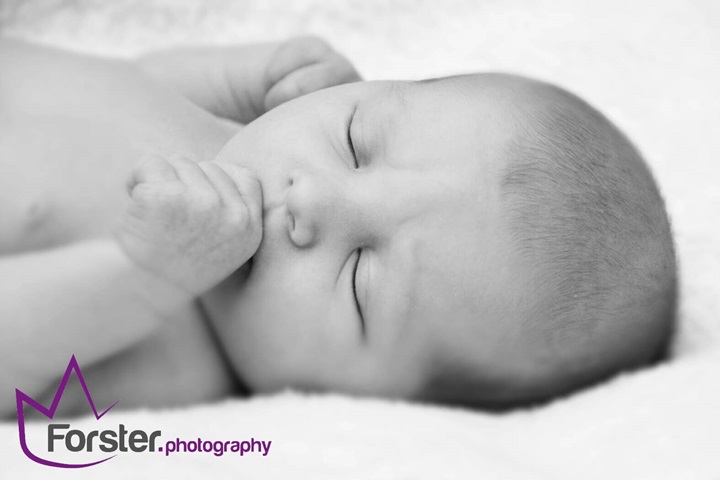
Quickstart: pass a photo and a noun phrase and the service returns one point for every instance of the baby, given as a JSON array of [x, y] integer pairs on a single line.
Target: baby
[[485, 240]]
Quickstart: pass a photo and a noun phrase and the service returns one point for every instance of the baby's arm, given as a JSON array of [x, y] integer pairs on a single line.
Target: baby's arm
[[243, 82], [86, 299], [187, 228]]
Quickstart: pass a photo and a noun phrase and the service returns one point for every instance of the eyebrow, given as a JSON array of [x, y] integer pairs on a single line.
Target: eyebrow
[[395, 94]]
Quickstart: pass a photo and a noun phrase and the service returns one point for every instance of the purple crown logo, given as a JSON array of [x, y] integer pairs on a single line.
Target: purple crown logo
[[49, 412]]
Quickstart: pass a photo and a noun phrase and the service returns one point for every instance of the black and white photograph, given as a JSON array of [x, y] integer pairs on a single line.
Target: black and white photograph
[[360, 240]]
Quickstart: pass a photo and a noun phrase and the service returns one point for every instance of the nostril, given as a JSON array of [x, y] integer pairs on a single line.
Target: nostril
[[301, 201]]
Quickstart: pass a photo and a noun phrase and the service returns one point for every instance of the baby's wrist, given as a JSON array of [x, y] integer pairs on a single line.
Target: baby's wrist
[[159, 294]]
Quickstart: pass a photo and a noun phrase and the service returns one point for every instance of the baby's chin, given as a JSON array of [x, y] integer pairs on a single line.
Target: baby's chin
[[243, 273], [228, 288]]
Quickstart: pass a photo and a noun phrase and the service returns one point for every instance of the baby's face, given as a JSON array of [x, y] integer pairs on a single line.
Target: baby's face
[[384, 247]]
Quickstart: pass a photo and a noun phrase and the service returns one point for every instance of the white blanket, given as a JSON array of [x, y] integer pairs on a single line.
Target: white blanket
[[653, 67]]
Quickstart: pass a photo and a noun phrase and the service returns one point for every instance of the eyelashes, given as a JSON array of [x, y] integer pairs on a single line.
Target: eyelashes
[[353, 279], [348, 138], [354, 291]]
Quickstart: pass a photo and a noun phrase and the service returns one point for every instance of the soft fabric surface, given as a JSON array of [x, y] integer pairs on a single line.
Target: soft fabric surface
[[653, 67]]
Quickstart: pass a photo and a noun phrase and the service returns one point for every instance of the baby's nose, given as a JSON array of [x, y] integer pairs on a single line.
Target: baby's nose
[[312, 203]]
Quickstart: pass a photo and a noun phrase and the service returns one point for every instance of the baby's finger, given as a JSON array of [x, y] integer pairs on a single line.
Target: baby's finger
[[248, 186], [223, 183], [294, 54], [190, 173], [151, 170], [310, 79]]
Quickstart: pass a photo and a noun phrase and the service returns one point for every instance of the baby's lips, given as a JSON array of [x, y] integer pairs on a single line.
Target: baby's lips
[[270, 205], [274, 213]]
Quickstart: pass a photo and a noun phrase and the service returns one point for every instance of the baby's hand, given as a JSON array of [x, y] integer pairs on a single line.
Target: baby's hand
[[303, 65], [191, 224]]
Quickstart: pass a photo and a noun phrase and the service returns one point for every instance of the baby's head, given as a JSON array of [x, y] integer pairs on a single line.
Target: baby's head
[[484, 240]]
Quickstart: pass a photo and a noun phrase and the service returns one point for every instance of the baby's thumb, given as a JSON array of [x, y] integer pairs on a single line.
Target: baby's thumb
[[248, 185]]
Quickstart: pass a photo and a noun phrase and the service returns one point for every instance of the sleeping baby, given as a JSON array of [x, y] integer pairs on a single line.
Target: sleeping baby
[[483, 240]]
